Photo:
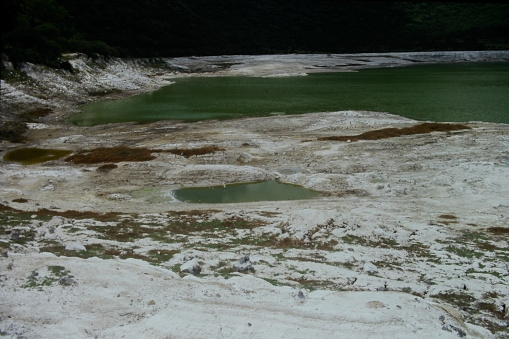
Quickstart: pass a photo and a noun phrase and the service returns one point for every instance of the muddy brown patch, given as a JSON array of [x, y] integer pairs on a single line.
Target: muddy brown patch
[[111, 155], [189, 152], [385, 133], [106, 168]]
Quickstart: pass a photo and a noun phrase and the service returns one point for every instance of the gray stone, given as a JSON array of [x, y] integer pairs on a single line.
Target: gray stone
[[75, 246], [244, 264], [191, 266], [370, 268]]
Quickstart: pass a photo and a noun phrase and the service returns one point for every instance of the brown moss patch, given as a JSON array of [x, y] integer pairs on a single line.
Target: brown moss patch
[[189, 152], [106, 168], [111, 155], [37, 113], [498, 230], [448, 217], [71, 214], [5, 208], [13, 131], [385, 133]]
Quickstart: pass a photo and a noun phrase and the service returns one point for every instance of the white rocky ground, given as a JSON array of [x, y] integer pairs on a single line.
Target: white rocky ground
[[409, 238]]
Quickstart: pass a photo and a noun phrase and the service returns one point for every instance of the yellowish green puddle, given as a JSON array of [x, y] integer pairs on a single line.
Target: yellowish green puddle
[[246, 192], [31, 156]]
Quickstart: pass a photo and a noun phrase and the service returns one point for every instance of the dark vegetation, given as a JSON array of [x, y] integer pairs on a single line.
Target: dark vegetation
[[106, 168], [111, 155], [123, 153], [189, 152], [466, 302], [45, 213], [179, 231], [13, 130], [385, 133], [40, 30], [499, 230]]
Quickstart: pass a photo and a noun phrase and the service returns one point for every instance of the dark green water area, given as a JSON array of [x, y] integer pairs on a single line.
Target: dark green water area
[[259, 191], [31, 156], [458, 92]]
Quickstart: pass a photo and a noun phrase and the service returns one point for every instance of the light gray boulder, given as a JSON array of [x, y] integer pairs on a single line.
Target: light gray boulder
[[243, 265], [191, 266]]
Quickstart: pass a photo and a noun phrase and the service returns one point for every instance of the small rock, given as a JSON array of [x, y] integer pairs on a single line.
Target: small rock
[[370, 268], [151, 302], [57, 221], [191, 266], [67, 281], [244, 264], [351, 280], [451, 328], [375, 304], [14, 236], [299, 296], [442, 318], [75, 246]]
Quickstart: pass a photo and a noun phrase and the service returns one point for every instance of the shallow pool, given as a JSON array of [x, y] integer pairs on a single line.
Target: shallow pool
[[250, 192], [32, 155]]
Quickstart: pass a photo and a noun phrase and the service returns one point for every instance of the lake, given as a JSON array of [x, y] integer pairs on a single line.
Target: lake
[[458, 92]]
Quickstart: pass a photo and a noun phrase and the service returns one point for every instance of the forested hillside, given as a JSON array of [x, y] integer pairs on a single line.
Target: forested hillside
[[40, 30]]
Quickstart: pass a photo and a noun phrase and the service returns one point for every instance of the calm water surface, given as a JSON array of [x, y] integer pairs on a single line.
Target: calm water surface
[[32, 156], [445, 92], [260, 191]]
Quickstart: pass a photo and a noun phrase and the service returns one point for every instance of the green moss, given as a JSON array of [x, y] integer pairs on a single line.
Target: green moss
[[160, 256], [274, 282], [56, 274], [58, 271], [459, 299], [463, 252]]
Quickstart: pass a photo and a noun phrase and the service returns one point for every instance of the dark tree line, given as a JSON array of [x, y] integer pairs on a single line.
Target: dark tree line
[[40, 30]]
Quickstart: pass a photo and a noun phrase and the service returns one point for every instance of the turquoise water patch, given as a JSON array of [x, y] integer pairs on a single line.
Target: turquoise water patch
[[457, 92], [250, 192]]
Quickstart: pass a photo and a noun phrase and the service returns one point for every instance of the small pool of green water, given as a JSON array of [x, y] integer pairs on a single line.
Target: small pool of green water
[[31, 156], [250, 192], [457, 92]]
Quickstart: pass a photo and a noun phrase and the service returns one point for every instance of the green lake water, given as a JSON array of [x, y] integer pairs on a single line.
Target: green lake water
[[458, 92], [260, 191]]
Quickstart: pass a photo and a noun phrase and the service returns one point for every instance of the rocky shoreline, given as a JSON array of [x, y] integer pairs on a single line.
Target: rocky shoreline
[[408, 238]]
